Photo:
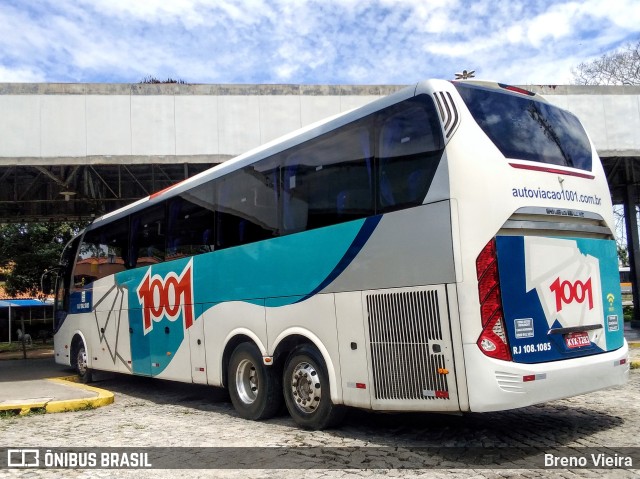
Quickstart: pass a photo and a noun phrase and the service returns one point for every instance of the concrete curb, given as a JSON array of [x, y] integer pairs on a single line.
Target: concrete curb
[[103, 398]]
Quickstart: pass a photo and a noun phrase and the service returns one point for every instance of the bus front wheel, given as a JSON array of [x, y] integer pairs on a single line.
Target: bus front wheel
[[81, 363], [306, 390], [254, 388]]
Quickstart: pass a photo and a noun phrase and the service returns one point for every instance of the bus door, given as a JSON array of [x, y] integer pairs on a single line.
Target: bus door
[[112, 349], [140, 348], [169, 351], [195, 336], [158, 328]]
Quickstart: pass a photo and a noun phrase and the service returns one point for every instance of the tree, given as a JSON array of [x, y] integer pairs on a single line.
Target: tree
[[620, 67], [153, 80], [623, 254], [27, 250]]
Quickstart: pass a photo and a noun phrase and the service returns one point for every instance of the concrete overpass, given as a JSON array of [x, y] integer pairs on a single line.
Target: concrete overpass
[[75, 150]]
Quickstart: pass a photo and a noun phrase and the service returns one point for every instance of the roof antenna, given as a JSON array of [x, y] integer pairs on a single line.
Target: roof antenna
[[465, 75]]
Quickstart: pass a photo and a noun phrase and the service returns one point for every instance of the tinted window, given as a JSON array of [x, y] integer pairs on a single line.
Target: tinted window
[[103, 252], [383, 162], [329, 180], [410, 145], [190, 223], [528, 129], [64, 281], [148, 237], [247, 205]]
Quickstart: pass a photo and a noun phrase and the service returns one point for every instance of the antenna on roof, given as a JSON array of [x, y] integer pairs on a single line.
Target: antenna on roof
[[465, 75]]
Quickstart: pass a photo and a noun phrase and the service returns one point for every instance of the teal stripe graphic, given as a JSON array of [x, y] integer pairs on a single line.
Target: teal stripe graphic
[[283, 270]]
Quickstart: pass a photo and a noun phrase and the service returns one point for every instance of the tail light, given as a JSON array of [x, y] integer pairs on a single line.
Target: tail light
[[516, 89], [493, 339]]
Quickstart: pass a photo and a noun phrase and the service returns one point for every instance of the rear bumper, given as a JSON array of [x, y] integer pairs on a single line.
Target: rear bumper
[[498, 385]]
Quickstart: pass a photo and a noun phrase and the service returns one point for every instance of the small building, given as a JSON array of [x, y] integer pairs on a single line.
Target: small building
[[36, 316]]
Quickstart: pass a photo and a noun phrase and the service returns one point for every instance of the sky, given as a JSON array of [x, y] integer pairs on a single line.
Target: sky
[[360, 42]]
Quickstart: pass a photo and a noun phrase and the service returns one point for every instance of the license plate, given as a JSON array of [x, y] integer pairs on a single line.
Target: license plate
[[577, 340]]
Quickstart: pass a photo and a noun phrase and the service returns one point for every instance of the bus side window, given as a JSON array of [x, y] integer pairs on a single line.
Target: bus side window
[[410, 145], [329, 180], [148, 237], [190, 223], [247, 205], [295, 209], [101, 254]]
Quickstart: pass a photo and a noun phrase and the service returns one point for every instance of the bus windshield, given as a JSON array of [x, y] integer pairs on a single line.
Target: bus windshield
[[528, 129]]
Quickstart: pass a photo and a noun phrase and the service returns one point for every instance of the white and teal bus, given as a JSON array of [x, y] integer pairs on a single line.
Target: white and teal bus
[[447, 248]]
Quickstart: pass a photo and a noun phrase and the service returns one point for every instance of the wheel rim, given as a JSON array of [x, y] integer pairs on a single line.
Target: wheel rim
[[247, 381], [82, 362], [306, 388]]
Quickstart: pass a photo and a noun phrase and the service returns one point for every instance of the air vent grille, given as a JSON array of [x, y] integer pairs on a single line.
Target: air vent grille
[[405, 331], [556, 222]]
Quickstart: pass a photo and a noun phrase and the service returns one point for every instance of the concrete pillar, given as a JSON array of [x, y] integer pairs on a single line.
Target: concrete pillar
[[633, 246]]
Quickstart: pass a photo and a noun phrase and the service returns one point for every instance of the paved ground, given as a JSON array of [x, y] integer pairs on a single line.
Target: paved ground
[[38, 367], [164, 414], [150, 413]]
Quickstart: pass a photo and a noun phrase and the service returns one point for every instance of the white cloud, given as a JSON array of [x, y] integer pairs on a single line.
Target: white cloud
[[515, 34], [551, 25], [21, 75], [307, 41], [624, 14]]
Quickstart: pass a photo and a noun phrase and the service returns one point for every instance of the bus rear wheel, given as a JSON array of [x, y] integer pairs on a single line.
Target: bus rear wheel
[[306, 390], [255, 389]]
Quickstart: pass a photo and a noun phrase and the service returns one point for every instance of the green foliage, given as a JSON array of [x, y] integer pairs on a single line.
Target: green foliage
[[623, 255], [27, 250], [154, 80], [627, 312], [17, 413]]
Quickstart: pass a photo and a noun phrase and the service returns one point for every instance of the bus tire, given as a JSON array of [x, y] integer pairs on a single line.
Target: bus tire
[[306, 390], [81, 364], [254, 388]]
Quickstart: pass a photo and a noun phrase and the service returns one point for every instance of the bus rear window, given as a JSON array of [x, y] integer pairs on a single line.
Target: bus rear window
[[527, 129]]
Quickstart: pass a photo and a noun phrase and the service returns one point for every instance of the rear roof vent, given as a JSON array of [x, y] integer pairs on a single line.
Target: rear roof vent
[[539, 221], [448, 112]]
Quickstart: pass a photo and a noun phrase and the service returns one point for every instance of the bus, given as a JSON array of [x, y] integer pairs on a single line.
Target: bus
[[447, 248]]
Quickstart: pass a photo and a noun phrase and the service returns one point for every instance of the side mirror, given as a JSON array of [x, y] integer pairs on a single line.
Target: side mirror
[[46, 280]]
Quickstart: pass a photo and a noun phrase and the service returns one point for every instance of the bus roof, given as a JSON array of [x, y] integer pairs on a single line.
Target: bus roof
[[294, 138], [275, 146]]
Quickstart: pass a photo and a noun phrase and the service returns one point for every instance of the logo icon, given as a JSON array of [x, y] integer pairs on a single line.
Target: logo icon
[[23, 458], [610, 298], [169, 296], [567, 292]]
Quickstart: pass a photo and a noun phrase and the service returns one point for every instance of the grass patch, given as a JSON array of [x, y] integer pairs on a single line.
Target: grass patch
[[11, 413], [9, 347], [627, 312], [16, 346], [86, 407], [7, 413]]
